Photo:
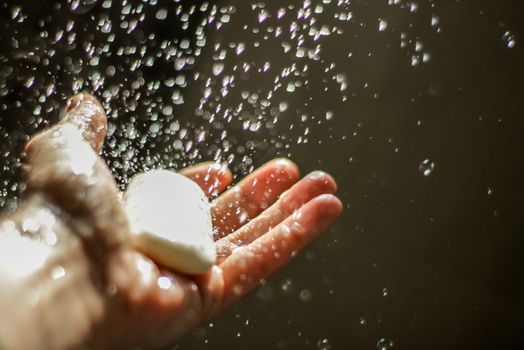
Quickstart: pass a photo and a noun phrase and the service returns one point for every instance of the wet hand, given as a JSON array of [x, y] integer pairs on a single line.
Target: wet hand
[[259, 225]]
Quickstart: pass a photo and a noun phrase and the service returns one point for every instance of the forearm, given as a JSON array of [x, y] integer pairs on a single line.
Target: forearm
[[48, 298]]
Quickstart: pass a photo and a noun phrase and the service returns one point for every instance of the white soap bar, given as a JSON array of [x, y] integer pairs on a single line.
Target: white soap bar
[[170, 219]]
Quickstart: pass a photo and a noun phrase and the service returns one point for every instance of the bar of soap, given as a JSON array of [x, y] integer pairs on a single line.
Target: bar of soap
[[170, 218]]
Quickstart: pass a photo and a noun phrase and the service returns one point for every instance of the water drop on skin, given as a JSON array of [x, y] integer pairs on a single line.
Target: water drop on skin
[[57, 272], [164, 282]]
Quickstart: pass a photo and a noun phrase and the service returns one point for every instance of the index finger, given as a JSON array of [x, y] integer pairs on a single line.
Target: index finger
[[247, 266]]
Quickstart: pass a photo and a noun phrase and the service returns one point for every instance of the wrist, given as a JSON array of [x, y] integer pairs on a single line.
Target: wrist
[[48, 295]]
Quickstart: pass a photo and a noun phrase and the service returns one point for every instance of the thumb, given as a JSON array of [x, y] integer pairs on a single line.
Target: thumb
[[63, 165], [85, 113]]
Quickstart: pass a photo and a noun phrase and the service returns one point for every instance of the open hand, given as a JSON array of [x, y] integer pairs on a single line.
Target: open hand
[[127, 299]]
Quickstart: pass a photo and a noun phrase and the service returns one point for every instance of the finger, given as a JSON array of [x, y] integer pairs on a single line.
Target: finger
[[62, 163], [244, 269], [311, 186], [213, 178], [252, 195], [85, 113]]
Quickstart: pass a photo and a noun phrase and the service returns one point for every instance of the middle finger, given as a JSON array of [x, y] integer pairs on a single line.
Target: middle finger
[[252, 195]]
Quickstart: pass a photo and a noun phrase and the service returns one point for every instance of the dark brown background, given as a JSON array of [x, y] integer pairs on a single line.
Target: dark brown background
[[416, 261]]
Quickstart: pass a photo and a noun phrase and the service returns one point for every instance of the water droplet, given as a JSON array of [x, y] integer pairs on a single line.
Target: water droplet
[[240, 48], [434, 20], [262, 16], [306, 296], [384, 344], [82, 6], [382, 25], [30, 225], [15, 12], [509, 39], [323, 344], [164, 282], [180, 63], [161, 14], [29, 82], [225, 18], [426, 167], [287, 286], [218, 68]]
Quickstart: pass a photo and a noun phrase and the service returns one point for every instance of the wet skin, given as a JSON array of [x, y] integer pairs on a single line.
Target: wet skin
[[69, 274]]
